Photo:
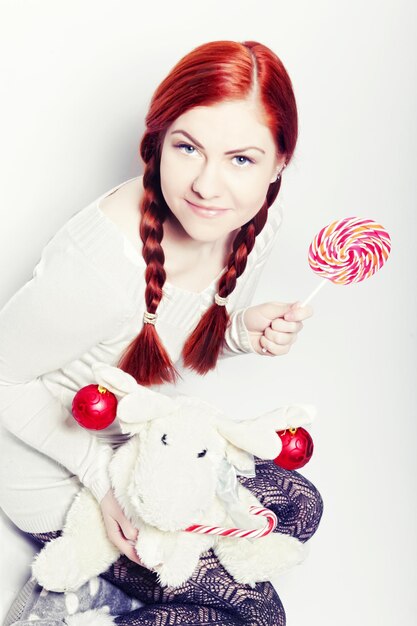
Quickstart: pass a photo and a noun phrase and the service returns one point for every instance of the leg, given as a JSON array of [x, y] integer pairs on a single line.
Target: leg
[[210, 597], [52, 608], [296, 502], [123, 580], [299, 508]]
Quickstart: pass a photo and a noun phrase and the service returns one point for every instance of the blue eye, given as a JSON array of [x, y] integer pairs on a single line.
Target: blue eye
[[187, 148], [247, 159], [185, 145]]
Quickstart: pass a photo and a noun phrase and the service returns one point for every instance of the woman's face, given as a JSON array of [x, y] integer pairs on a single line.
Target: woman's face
[[222, 158]]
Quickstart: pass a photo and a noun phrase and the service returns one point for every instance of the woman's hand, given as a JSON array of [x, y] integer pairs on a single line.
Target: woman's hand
[[273, 326], [119, 530]]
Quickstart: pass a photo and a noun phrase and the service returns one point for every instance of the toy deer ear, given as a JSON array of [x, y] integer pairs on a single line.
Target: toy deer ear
[[243, 461], [252, 436], [138, 404], [135, 409], [258, 435], [114, 379]]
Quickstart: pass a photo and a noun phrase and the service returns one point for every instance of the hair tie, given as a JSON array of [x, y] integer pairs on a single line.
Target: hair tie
[[149, 318], [221, 301]]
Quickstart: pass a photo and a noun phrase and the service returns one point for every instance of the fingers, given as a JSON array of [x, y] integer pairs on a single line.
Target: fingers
[[283, 331], [273, 349], [292, 311], [131, 553], [298, 313], [125, 546], [119, 529], [282, 339], [127, 529], [284, 326], [128, 538]]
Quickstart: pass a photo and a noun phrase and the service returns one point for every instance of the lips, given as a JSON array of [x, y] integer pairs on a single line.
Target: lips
[[198, 210]]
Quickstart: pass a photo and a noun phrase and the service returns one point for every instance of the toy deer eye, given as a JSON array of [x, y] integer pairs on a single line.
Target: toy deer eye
[[163, 439], [203, 453]]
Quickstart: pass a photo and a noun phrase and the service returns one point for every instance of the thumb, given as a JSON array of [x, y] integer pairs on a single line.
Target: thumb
[[272, 310], [257, 318]]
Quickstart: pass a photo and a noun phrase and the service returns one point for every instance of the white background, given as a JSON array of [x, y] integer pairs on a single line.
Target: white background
[[78, 77]]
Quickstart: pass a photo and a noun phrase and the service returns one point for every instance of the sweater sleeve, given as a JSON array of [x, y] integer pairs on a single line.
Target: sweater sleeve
[[54, 318], [237, 337]]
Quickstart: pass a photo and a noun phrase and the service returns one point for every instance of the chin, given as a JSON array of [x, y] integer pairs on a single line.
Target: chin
[[204, 233], [198, 235]]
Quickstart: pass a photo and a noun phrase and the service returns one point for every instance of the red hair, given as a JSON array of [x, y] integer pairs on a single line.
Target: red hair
[[209, 74]]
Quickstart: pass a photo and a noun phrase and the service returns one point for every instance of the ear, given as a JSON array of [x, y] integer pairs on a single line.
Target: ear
[[280, 167], [114, 379], [242, 461], [258, 435], [253, 436], [143, 405], [290, 416]]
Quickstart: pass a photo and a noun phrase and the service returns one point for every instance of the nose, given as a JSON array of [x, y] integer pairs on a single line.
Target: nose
[[208, 183]]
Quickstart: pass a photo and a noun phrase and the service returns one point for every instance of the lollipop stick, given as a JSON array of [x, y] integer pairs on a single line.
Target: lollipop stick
[[313, 293]]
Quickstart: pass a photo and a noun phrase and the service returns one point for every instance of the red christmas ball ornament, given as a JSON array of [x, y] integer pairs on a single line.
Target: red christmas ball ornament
[[94, 407], [297, 448]]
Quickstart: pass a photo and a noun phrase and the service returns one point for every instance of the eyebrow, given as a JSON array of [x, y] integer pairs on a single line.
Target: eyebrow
[[202, 147]]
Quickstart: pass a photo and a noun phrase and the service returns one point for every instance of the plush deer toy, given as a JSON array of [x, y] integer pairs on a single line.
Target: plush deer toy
[[177, 469]]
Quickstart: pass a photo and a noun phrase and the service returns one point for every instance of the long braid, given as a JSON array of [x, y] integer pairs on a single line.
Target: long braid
[[146, 357], [202, 348], [151, 232], [215, 72]]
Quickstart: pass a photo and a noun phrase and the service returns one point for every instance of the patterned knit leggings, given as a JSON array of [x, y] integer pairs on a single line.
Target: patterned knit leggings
[[211, 596]]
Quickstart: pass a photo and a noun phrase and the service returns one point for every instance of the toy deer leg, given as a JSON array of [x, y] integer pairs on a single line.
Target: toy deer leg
[[257, 560], [80, 553]]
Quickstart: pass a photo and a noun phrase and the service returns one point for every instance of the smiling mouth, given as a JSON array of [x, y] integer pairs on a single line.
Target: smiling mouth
[[199, 210]]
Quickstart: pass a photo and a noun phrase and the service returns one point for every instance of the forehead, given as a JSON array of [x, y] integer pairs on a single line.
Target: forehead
[[228, 125]]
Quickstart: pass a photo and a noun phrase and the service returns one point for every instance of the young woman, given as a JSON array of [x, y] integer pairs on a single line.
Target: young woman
[[159, 270]]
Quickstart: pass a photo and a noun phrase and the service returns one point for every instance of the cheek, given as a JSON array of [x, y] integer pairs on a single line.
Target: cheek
[[174, 174], [166, 172], [249, 194]]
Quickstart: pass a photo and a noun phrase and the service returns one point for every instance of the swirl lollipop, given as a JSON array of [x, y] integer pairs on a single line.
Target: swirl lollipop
[[348, 251]]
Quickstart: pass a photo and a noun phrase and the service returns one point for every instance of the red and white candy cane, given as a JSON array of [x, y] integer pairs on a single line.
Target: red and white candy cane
[[271, 523]]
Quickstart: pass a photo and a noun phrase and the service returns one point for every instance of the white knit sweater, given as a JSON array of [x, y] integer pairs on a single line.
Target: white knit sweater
[[85, 303]]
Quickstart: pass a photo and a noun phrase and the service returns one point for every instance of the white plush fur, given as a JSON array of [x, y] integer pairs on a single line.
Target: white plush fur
[[166, 478]]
